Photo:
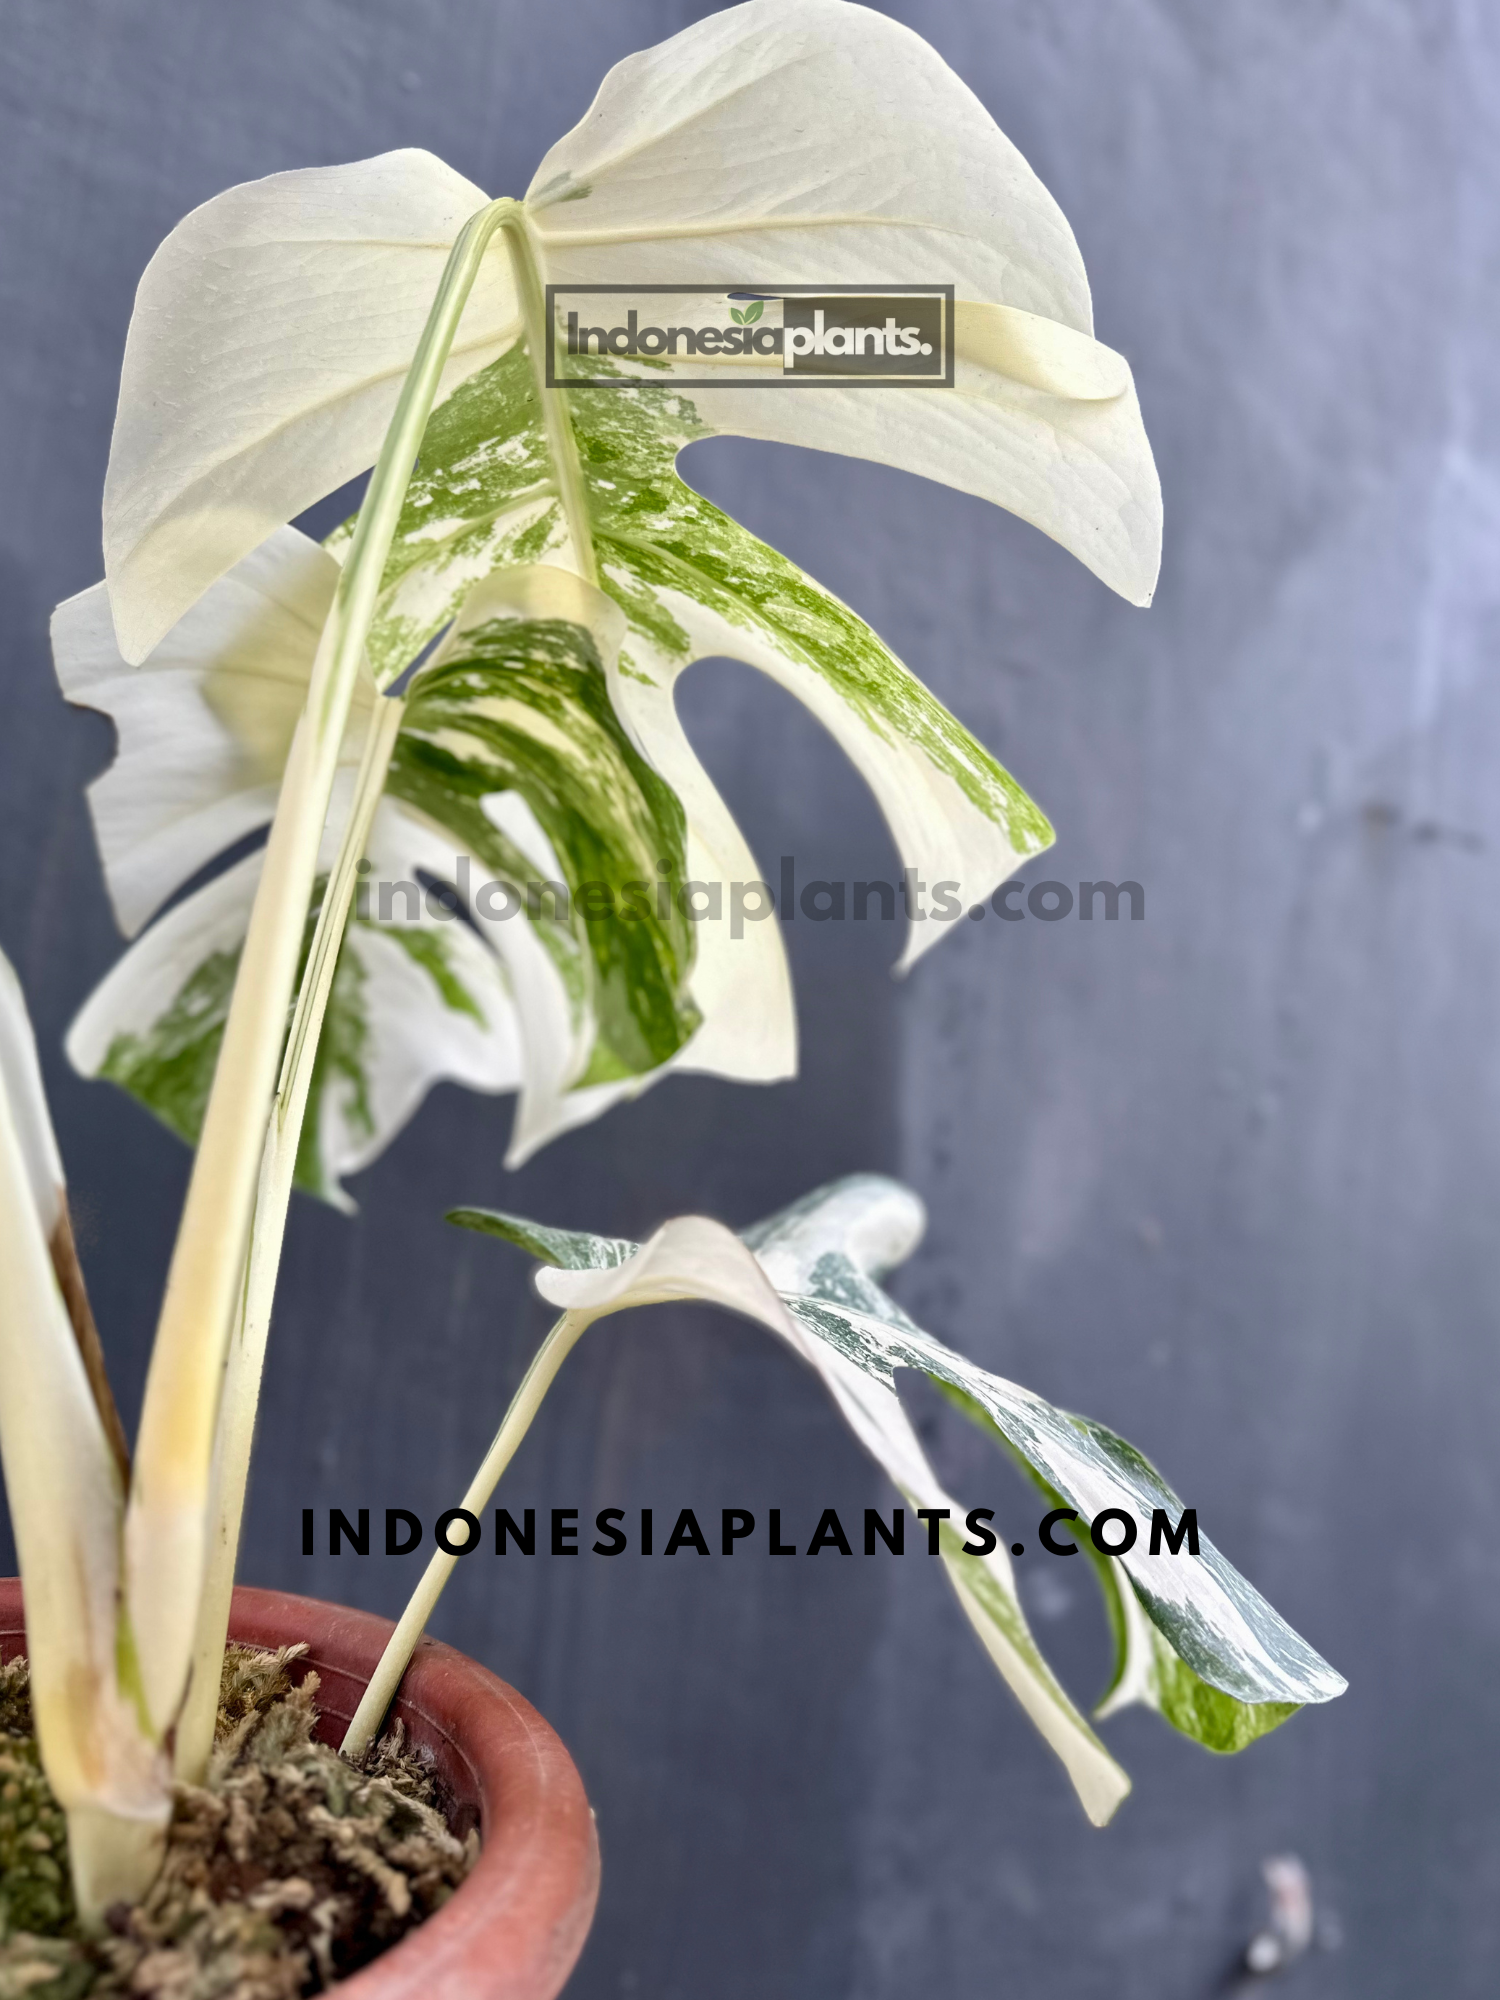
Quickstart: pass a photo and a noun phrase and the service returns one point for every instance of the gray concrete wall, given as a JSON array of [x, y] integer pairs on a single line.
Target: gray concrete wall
[[1225, 1179]]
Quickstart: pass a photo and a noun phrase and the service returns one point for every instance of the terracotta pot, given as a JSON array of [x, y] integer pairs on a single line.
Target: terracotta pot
[[516, 1927]]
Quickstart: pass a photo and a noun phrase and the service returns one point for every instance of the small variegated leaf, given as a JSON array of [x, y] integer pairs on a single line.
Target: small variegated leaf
[[883, 1224], [695, 1259], [1195, 1640]]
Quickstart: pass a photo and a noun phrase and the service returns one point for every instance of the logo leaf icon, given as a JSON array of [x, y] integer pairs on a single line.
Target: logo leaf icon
[[753, 311]]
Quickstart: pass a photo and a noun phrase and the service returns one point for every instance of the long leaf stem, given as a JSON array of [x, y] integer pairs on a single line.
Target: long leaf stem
[[247, 1350], [246, 1359], [402, 1643], [167, 1524]]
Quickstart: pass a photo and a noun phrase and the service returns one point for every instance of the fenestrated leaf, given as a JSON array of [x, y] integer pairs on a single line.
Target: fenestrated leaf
[[505, 723], [512, 767], [1197, 1641], [693, 583]]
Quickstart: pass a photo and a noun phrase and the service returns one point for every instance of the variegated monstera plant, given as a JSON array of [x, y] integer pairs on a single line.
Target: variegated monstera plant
[[530, 570]]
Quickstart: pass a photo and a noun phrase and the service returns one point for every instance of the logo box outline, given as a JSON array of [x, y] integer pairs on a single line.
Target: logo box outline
[[853, 380]]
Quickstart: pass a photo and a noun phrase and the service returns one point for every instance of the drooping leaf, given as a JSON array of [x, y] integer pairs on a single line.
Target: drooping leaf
[[1215, 1647], [695, 1259], [1146, 1669], [781, 141], [1210, 1617]]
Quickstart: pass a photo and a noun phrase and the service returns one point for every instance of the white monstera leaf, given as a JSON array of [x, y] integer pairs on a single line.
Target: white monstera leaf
[[784, 140], [1197, 1641], [815, 142], [261, 369], [204, 723], [511, 769], [692, 584], [271, 334], [539, 744]]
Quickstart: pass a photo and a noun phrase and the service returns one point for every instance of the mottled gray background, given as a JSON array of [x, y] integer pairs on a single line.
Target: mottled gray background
[[1226, 1179]]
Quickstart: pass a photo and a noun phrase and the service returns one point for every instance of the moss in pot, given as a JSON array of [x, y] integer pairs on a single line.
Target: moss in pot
[[467, 1756]]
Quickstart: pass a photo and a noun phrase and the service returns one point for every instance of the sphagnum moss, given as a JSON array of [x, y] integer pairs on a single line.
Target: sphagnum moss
[[288, 1870]]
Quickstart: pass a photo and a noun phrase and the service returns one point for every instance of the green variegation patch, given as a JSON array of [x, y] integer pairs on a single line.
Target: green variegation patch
[[1145, 1669], [484, 496], [397, 984], [431, 952], [521, 705], [659, 542], [570, 1249], [169, 1065]]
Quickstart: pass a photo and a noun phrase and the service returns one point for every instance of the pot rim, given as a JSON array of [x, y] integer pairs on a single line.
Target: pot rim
[[514, 1930]]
